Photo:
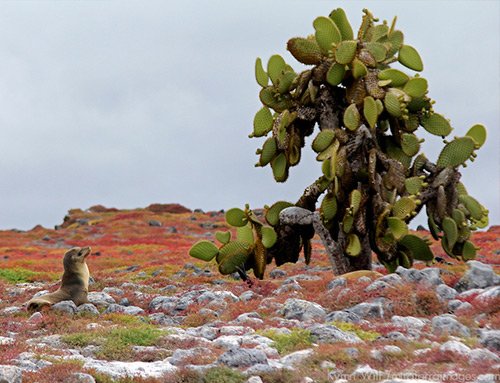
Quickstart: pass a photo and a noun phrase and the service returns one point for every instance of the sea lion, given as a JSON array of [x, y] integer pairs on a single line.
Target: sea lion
[[74, 283]]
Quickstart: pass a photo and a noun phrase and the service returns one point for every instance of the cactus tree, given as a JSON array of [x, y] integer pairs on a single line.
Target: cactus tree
[[363, 116]]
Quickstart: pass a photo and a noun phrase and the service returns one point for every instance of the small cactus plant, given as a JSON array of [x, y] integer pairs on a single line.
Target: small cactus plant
[[365, 117]]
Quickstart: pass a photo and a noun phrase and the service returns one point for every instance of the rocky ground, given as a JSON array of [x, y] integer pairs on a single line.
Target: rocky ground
[[158, 316]]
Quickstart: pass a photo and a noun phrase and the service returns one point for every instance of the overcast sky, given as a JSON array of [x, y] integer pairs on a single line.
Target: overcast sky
[[127, 103]]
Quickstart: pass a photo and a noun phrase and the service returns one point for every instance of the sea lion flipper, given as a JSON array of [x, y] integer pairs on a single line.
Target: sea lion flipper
[[36, 304]]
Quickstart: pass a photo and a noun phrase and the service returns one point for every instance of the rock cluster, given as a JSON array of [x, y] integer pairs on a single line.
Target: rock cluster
[[248, 342]]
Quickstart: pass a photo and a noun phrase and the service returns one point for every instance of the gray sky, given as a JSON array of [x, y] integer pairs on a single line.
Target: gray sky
[[126, 103]]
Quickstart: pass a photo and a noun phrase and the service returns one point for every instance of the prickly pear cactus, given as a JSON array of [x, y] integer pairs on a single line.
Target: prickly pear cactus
[[248, 251], [364, 118]]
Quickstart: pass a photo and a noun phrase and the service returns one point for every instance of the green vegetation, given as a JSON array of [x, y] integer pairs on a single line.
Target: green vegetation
[[374, 178], [362, 334], [115, 343], [298, 339], [17, 275]]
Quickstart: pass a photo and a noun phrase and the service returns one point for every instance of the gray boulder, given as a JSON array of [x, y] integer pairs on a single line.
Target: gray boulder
[[67, 307], [448, 324], [445, 292], [342, 316], [455, 347], [409, 322], [87, 309], [303, 310], [100, 299], [321, 333], [337, 282], [242, 357], [430, 276], [368, 310], [490, 339], [479, 355], [10, 374], [479, 275]]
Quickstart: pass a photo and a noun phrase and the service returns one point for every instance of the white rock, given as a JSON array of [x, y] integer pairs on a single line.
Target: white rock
[[5, 340], [254, 379], [118, 370], [228, 341], [409, 322], [236, 330], [455, 347], [10, 374], [296, 357]]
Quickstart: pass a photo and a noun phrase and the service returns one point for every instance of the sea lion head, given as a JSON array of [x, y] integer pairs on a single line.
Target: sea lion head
[[75, 257]]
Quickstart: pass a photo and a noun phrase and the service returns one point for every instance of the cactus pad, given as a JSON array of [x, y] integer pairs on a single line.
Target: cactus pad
[[392, 104], [260, 74], [273, 213], [475, 209], [236, 217], [370, 111], [204, 250], [233, 256], [404, 207], [323, 140], [478, 134], [268, 151], [305, 51], [275, 67], [397, 77], [417, 246], [335, 74], [377, 50], [410, 144], [269, 98], [456, 152], [280, 168], [352, 117], [328, 207], [395, 40], [345, 51], [326, 34], [450, 230], [468, 251], [262, 122], [339, 17], [397, 227], [269, 236], [416, 87], [353, 247], [223, 236], [409, 57], [358, 68], [413, 185], [436, 124], [245, 234], [355, 201]]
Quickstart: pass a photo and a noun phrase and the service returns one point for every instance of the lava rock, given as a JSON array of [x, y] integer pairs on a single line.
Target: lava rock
[[342, 316], [303, 310], [10, 374], [242, 357], [67, 307], [321, 333], [445, 292], [479, 275], [490, 339], [448, 324]]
